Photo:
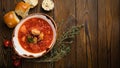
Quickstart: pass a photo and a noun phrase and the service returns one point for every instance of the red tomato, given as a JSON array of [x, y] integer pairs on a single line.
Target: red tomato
[[16, 63], [7, 43]]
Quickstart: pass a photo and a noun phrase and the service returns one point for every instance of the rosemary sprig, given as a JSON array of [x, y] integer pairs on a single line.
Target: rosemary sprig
[[62, 48]]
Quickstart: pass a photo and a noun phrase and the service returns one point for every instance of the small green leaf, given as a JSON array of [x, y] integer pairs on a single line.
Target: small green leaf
[[30, 39]]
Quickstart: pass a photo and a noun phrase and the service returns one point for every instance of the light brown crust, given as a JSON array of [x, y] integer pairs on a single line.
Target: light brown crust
[[11, 19], [22, 9]]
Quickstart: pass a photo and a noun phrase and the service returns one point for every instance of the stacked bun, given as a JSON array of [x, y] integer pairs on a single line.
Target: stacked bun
[[11, 19], [21, 9]]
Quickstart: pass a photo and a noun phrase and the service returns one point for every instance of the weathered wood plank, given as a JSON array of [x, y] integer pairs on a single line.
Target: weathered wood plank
[[108, 30], [115, 33], [103, 33], [35, 65], [81, 48], [63, 9], [87, 40]]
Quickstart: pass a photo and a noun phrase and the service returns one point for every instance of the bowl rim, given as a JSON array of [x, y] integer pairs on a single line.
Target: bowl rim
[[45, 51]]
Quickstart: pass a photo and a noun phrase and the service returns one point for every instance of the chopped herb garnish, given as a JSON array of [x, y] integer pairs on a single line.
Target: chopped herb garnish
[[30, 39]]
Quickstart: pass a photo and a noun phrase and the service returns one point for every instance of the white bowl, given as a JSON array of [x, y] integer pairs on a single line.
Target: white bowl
[[16, 44]]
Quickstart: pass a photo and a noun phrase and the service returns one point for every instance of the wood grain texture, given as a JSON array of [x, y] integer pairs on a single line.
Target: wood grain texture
[[108, 27], [64, 9], [87, 40], [102, 33], [97, 45], [115, 33]]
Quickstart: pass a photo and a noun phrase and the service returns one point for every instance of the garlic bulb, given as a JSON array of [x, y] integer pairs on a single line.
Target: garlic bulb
[[32, 3], [47, 5]]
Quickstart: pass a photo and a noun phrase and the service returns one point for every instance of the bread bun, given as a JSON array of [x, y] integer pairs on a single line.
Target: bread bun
[[47, 5], [11, 19], [22, 9], [32, 3]]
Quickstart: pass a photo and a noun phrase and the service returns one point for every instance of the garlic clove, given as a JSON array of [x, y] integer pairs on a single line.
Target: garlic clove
[[35, 31]]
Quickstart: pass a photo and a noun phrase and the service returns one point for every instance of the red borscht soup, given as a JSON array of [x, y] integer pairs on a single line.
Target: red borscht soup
[[35, 35]]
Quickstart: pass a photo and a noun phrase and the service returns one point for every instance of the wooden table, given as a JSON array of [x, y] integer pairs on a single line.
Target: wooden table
[[99, 47]]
